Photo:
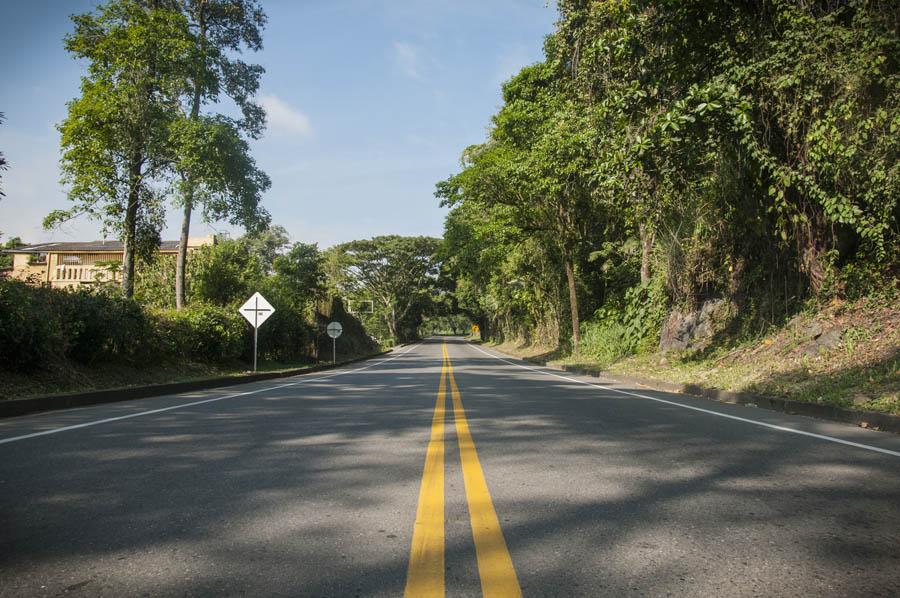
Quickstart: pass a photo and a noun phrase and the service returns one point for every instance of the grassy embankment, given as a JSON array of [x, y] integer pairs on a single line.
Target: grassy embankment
[[78, 378], [861, 370]]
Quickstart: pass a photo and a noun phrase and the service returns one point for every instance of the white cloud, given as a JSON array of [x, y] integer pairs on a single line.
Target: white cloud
[[282, 118], [407, 57]]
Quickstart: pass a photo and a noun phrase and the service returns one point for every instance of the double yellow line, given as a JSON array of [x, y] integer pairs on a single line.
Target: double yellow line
[[425, 577]]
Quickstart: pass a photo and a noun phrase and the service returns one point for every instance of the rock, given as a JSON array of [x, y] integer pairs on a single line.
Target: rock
[[860, 399], [693, 330], [830, 339], [810, 330]]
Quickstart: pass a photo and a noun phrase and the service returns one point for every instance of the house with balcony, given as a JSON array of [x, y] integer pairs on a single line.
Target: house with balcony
[[72, 264]]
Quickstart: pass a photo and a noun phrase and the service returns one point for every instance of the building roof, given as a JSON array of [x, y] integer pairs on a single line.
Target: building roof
[[96, 246]]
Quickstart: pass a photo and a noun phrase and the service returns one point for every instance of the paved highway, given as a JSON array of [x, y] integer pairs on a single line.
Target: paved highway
[[444, 468]]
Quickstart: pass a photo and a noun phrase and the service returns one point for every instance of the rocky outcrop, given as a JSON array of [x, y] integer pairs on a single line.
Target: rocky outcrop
[[694, 330]]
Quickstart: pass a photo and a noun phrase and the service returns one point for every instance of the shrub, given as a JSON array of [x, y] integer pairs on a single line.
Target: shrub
[[103, 326], [202, 333], [604, 341], [30, 327]]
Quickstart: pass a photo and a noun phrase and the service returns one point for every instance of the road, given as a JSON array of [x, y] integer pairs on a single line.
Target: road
[[444, 468]]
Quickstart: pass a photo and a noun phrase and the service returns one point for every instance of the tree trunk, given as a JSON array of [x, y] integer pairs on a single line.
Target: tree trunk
[[647, 239], [181, 258], [573, 305], [392, 324], [129, 238]]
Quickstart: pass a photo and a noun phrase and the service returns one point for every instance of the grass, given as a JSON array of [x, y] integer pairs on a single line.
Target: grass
[[861, 371], [78, 378]]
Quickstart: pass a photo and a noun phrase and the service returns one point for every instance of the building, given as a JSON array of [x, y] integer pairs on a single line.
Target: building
[[80, 263]]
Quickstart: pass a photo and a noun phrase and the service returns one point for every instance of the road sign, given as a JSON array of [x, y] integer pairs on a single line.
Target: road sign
[[334, 330], [475, 329], [257, 310]]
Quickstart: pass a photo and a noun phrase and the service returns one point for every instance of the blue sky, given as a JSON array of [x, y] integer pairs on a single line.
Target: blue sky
[[370, 104]]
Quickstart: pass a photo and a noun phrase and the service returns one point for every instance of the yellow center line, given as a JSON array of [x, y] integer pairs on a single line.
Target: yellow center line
[[495, 566], [425, 576]]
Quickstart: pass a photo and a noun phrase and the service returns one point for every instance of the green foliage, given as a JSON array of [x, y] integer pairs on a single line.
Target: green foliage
[[41, 326], [31, 331], [740, 151], [399, 274], [628, 324], [154, 282], [213, 158], [6, 260], [225, 273], [117, 154], [204, 333]]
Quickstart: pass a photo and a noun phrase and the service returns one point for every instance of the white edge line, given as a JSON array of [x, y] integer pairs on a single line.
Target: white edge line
[[193, 403], [700, 409]]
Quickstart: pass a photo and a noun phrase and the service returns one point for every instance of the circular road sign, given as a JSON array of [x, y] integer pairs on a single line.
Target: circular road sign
[[334, 329]]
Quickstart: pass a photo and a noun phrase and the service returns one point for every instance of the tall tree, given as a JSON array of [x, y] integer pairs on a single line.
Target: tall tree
[[215, 167], [537, 163], [117, 154]]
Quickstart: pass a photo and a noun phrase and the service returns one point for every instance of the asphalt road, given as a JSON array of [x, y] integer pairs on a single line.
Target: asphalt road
[[417, 473]]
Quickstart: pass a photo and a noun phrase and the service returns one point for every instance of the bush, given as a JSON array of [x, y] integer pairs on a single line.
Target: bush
[[30, 328], [202, 333], [102, 326], [40, 325], [604, 341]]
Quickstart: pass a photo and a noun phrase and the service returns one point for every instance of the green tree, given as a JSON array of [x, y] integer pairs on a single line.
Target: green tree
[[214, 163], [117, 153], [226, 273], [299, 274], [6, 260], [537, 162], [397, 273]]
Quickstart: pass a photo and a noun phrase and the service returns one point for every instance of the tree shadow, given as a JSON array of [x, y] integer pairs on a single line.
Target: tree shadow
[[298, 491]]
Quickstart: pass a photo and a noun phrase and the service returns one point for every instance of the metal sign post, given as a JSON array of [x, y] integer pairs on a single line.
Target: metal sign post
[[256, 311], [334, 330]]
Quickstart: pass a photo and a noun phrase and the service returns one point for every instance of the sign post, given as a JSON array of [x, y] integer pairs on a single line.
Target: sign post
[[334, 330], [256, 310]]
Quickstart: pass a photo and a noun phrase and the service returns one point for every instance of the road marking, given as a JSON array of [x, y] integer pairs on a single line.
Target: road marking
[[495, 566], [701, 410], [193, 403], [425, 575]]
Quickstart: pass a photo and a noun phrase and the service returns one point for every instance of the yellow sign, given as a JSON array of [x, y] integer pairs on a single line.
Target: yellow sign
[[475, 329]]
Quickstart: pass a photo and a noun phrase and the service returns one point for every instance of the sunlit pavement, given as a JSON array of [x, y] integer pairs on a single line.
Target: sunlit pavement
[[317, 485]]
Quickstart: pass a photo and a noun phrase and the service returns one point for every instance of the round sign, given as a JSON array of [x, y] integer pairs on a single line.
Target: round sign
[[334, 329]]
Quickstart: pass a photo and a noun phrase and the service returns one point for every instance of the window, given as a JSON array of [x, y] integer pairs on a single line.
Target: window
[[71, 259]]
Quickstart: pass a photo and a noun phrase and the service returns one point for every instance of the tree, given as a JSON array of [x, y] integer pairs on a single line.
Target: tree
[[226, 273], [300, 274], [396, 273], [267, 244], [6, 260], [537, 162], [117, 154], [215, 167]]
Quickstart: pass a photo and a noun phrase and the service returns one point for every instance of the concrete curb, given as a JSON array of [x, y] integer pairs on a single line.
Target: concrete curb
[[874, 420], [17, 407]]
